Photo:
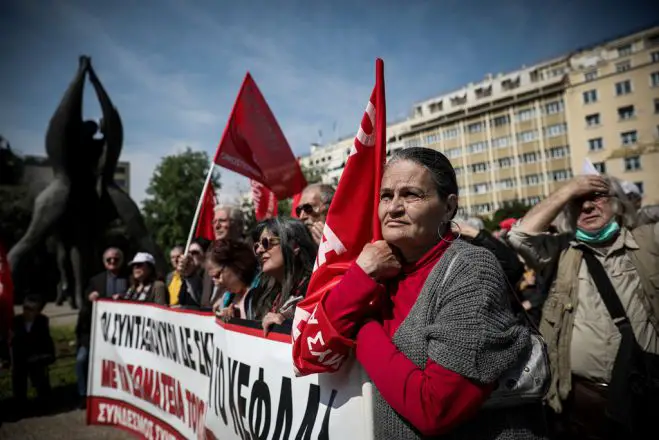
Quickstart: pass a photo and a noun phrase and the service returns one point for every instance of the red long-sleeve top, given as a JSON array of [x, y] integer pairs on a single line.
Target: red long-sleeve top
[[433, 399]]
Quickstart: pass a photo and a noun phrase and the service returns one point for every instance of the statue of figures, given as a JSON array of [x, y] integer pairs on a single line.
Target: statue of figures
[[82, 199]]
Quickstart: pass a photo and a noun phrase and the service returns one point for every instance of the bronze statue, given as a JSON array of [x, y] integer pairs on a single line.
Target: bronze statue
[[82, 198]]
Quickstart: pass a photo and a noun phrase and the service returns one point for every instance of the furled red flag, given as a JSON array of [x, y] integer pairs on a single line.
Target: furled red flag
[[264, 201], [206, 214], [254, 145], [6, 297], [352, 222]]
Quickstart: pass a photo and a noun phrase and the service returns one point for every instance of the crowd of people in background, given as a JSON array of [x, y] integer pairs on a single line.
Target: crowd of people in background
[[541, 273]]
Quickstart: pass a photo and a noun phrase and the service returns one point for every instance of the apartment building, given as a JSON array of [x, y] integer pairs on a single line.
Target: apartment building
[[521, 135], [613, 109]]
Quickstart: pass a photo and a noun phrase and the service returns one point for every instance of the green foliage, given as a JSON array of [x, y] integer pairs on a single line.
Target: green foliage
[[284, 207], [312, 174], [15, 213], [173, 193], [11, 165], [514, 209]]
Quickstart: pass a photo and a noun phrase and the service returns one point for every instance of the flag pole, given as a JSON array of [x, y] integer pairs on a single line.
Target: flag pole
[[199, 205]]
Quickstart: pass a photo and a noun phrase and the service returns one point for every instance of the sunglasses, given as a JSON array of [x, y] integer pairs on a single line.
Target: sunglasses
[[112, 260], [307, 208], [194, 252], [266, 243]]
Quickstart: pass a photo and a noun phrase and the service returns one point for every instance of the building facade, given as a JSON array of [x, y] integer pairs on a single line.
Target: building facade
[[521, 135], [38, 174]]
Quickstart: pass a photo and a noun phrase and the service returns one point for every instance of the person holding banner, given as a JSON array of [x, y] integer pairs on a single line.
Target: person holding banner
[[430, 316], [286, 252]]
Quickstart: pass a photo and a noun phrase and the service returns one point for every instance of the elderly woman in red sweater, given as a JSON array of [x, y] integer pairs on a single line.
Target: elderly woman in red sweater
[[445, 332]]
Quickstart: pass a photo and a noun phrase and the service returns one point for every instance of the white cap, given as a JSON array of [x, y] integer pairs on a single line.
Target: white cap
[[630, 188], [143, 257]]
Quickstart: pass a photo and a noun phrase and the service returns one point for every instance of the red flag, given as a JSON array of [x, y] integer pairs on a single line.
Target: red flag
[[264, 201], [6, 297], [205, 223], [352, 222], [253, 145], [296, 202]]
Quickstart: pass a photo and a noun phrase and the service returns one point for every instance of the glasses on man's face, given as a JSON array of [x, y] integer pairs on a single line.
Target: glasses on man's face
[[307, 208], [266, 243], [194, 252], [112, 260]]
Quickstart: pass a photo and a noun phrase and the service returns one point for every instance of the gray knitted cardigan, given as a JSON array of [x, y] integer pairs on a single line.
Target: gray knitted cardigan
[[462, 321]]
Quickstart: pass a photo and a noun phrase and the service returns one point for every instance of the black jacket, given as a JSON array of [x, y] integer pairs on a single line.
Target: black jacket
[[32, 346]]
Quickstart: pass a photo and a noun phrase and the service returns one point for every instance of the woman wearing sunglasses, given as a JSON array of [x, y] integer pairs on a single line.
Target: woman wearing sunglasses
[[287, 253]]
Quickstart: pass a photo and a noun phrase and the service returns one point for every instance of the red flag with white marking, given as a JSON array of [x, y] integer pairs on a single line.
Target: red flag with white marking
[[264, 201], [352, 222]]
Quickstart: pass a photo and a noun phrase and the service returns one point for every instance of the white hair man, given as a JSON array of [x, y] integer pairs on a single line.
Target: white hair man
[[312, 209]]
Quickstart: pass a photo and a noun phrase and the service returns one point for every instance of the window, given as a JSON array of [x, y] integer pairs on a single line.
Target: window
[[554, 107], [529, 157], [500, 121], [654, 79], [654, 57], [555, 130], [450, 133], [600, 167], [533, 179], [656, 105], [640, 187], [476, 127], [525, 115], [558, 152], [626, 112], [477, 147], [505, 162], [454, 152], [590, 96], [481, 188], [593, 120], [625, 50], [624, 66], [590, 76], [483, 208], [414, 142], [531, 201], [623, 87], [506, 184], [595, 144], [501, 142], [632, 163], [432, 138], [527, 136], [629, 137], [560, 175], [458, 171], [480, 167]]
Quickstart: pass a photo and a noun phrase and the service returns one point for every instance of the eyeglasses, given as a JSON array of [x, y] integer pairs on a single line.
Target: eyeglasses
[[194, 252], [111, 260], [307, 208], [266, 243]]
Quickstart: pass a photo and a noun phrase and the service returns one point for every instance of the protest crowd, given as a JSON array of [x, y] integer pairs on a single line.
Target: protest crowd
[[545, 328]]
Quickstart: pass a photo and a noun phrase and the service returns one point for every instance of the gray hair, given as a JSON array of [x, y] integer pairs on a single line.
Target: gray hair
[[235, 215], [326, 192], [116, 249], [625, 212]]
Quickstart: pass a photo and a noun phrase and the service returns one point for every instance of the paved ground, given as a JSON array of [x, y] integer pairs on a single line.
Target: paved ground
[[59, 315], [66, 426]]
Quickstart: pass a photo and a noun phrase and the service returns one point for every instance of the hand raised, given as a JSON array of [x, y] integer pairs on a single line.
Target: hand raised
[[379, 261]]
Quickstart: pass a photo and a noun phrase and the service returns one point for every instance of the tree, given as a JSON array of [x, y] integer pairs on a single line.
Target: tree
[[514, 209], [173, 193]]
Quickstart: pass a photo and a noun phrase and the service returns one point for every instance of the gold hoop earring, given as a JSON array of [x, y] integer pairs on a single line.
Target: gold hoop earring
[[457, 226]]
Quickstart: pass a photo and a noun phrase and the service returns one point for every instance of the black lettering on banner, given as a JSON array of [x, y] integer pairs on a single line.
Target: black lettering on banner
[[105, 325], [237, 426], [324, 429], [115, 337], [284, 411], [243, 381], [259, 402], [219, 387], [186, 350], [130, 330], [310, 413]]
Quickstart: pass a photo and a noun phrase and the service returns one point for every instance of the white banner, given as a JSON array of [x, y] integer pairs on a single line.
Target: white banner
[[174, 374]]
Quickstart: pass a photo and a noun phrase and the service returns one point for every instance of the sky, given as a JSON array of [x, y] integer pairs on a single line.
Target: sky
[[173, 67]]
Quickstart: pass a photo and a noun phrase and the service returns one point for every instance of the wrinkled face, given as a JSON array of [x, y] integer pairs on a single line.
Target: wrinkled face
[[141, 271], [269, 252], [411, 212], [175, 256], [221, 224], [311, 209], [197, 254], [225, 276], [596, 211], [112, 260]]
